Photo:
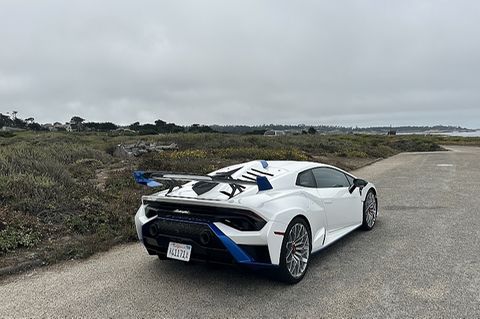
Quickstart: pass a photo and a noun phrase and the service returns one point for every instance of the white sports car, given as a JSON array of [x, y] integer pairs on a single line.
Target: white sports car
[[261, 214]]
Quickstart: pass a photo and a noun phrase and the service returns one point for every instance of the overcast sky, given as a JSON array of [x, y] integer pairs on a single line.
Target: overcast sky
[[242, 62]]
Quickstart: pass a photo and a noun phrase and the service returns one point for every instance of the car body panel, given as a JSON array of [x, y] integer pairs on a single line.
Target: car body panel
[[342, 208]]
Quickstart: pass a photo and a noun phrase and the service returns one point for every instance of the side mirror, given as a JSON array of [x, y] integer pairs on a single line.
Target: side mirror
[[357, 182]]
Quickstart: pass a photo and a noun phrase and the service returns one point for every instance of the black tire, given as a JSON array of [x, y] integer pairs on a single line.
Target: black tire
[[283, 272], [368, 222]]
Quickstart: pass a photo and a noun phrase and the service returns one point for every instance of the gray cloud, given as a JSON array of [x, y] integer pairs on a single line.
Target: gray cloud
[[250, 62]]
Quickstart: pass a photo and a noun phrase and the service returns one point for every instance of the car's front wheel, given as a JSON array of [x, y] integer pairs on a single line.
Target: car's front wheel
[[296, 249], [370, 211]]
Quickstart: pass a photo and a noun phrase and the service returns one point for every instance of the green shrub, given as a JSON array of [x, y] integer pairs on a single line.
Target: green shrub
[[6, 134], [85, 169], [30, 193], [12, 238], [18, 230], [195, 165], [353, 154], [254, 153]]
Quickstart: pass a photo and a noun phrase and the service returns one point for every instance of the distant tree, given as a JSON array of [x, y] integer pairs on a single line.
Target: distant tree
[[19, 123], [312, 130], [160, 123], [5, 120], [76, 120], [173, 128], [134, 126], [197, 128], [76, 123], [101, 127], [108, 126], [11, 120], [256, 132], [34, 126], [160, 127], [147, 129], [164, 127], [30, 120]]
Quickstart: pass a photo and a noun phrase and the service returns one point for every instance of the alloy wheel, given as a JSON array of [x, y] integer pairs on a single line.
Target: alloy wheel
[[370, 209], [298, 250]]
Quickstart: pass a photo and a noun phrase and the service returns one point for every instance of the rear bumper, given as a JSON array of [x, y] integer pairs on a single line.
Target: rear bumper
[[211, 242]]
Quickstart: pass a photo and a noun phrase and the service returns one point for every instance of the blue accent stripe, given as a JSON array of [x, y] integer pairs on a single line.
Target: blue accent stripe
[[237, 252], [264, 163], [263, 184]]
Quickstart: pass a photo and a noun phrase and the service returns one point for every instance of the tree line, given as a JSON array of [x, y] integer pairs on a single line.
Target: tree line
[[79, 124], [11, 120]]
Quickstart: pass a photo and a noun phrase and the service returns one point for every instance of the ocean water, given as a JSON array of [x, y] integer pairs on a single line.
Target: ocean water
[[463, 134]]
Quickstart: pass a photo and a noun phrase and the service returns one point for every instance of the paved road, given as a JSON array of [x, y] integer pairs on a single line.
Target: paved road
[[422, 259]]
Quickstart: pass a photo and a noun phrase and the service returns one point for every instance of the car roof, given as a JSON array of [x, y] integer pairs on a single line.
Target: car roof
[[281, 166], [294, 166]]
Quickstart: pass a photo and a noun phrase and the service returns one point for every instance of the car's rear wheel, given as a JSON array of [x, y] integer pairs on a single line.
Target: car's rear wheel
[[296, 249], [370, 211]]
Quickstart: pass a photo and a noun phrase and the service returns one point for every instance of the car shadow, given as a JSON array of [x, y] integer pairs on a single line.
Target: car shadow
[[238, 277], [198, 272], [325, 254]]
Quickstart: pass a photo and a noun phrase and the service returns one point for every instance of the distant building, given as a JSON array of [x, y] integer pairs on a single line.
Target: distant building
[[392, 132], [125, 130], [48, 126], [60, 127], [274, 133], [57, 126], [11, 129]]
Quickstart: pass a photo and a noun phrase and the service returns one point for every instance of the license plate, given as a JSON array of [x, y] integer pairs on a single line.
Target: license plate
[[179, 251]]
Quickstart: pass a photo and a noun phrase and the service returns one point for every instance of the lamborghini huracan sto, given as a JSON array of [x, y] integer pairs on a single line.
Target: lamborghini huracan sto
[[258, 214]]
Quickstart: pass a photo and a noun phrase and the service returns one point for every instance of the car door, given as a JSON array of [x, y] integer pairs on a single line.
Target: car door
[[343, 210], [316, 210]]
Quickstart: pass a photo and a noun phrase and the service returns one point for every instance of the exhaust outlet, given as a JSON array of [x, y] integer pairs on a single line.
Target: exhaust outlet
[[153, 230], [205, 238]]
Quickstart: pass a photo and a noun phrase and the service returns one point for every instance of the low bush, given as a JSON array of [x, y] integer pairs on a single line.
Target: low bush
[[18, 230], [254, 153], [6, 134], [13, 237], [85, 168]]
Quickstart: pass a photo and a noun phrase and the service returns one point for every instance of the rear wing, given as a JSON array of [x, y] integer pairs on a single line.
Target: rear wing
[[205, 182]]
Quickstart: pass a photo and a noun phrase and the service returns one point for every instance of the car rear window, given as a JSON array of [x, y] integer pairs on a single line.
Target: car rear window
[[306, 179]]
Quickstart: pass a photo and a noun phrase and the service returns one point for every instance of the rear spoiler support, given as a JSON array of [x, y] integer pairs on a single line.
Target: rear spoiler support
[[172, 180]]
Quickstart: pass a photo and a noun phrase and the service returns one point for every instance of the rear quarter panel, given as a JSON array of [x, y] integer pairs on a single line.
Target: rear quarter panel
[[283, 206]]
